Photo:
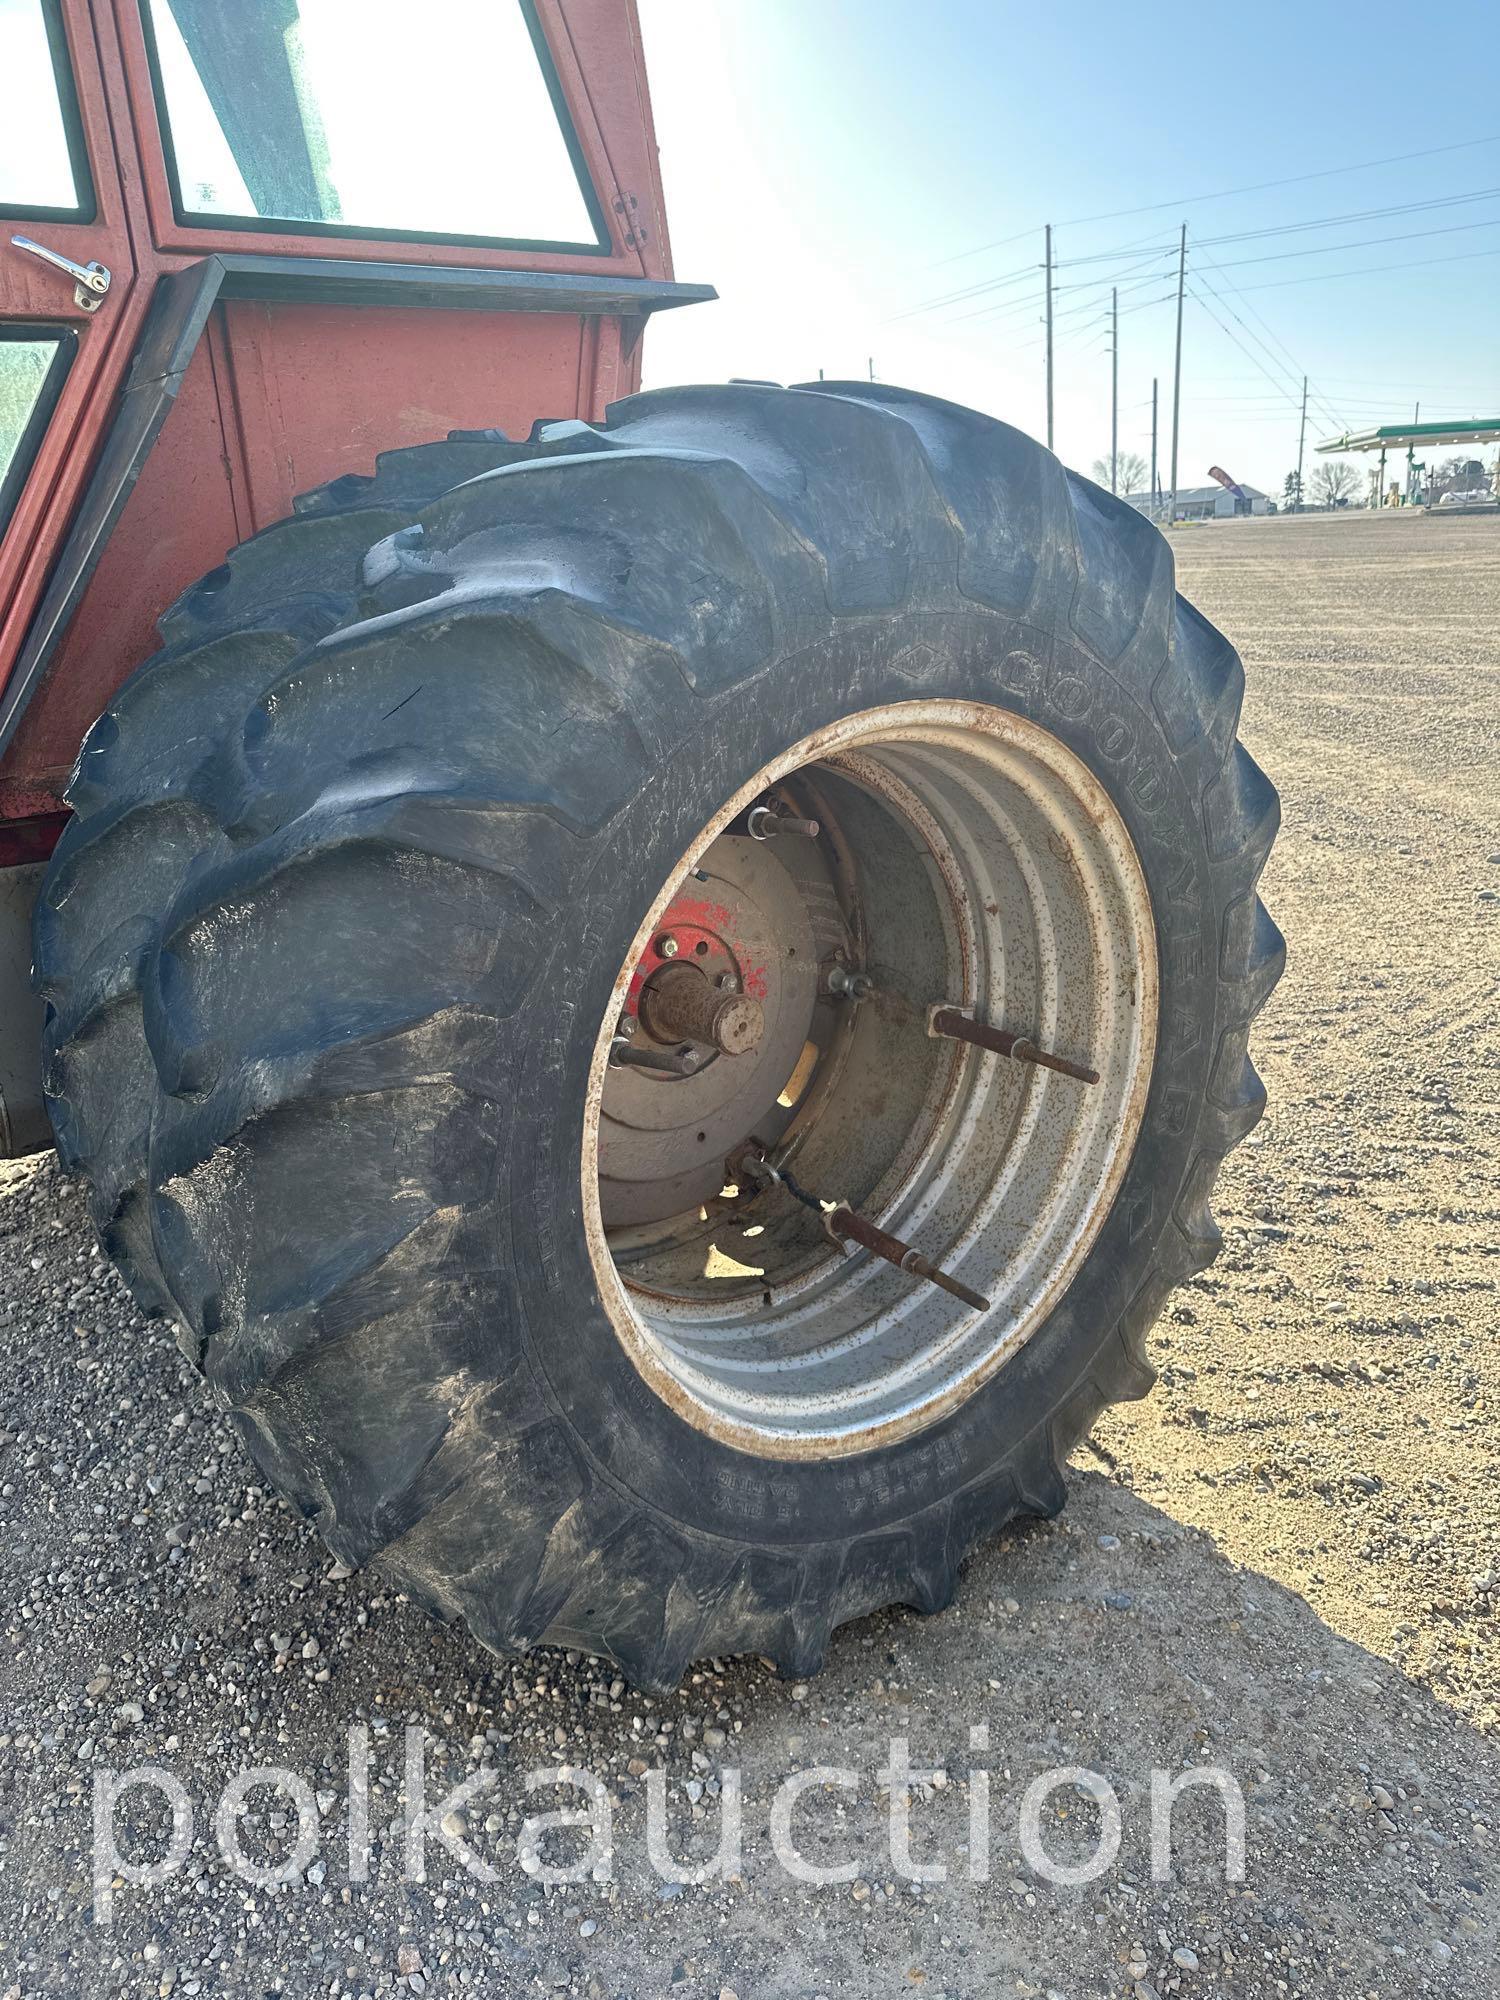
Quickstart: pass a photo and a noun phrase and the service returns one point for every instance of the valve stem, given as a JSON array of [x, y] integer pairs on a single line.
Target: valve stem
[[953, 1025]]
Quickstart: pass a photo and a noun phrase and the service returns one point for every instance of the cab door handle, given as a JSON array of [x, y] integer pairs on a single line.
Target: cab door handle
[[90, 281]]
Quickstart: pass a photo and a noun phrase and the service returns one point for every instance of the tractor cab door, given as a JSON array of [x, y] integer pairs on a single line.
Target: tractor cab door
[[66, 273]]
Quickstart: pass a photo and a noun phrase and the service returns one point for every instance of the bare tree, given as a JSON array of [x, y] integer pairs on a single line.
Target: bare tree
[[1334, 481], [1130, 472]]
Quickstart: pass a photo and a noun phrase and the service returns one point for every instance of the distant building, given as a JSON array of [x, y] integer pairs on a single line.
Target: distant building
[[1205, 503]]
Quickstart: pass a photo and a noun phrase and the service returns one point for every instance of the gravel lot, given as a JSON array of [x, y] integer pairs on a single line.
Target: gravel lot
[[1286, 1564]]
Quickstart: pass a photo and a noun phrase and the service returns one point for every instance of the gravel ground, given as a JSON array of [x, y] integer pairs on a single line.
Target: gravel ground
[[1334, 1379], [1283, 1566]]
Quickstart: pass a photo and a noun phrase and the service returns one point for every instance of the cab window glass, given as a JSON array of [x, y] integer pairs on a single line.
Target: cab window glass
[[32, 367], [343, 115], [42, 168]]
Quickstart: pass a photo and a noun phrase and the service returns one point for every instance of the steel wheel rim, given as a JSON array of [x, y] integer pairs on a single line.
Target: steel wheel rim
[[1039, 920]]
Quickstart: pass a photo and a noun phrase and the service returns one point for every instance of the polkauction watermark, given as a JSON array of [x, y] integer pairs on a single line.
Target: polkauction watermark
[[581, 1840]]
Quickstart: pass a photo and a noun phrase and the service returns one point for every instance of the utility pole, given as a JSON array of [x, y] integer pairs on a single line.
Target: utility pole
[[872, 368], [1301, 441], [1155, 493], [1177, 370], [1411, 460], [1114, 390], [1049, 336]]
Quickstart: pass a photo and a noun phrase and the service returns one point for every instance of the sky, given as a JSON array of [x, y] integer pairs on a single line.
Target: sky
[[836, 166]]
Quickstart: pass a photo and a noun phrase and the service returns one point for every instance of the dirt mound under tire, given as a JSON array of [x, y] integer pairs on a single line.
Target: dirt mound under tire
[[352, 866]]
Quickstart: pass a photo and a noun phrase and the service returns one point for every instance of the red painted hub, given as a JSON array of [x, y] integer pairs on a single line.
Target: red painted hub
[[740, 919], [708, 934]]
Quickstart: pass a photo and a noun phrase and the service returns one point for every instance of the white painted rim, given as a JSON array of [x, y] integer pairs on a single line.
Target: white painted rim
[[1050, 933]]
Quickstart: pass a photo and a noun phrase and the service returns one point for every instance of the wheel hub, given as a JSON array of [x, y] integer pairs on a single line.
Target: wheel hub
[[681, 1004], [730, 973]]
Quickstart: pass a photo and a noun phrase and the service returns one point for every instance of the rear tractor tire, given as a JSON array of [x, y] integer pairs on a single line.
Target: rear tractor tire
[[496, 977]]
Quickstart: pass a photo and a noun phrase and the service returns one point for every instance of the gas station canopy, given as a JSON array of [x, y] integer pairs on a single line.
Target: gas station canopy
[[1392, 437]]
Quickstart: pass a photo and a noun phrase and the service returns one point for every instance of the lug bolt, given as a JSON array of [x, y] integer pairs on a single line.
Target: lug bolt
[[765, 824], [668, 1062], [849, 985], [666, 947], [846, 1225], [951, 1024]]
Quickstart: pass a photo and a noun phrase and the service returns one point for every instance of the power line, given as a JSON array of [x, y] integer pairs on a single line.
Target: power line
[[1265, 396], [1364, 243], [1237, 413], [1385, 213], [1324, 277], [1205, 243], [1282, 392], [1125, 275], [1291, 359], [1321, 401], [1352, 215], [1298, 228], [1407, 264], [1224, 194], [1276, 365], [1324, 250], [1079, 305], [1012, 277], [1357, 381], [1230, 334], [967, 292], [1036, 302], [1385, 382], [1281, 419], [1161, 299]]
